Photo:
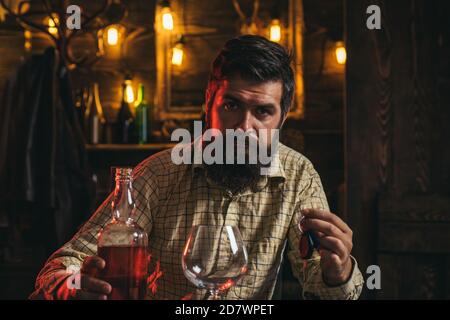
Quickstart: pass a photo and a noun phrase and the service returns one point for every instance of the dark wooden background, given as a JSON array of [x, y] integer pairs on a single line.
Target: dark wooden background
[[397, 145]]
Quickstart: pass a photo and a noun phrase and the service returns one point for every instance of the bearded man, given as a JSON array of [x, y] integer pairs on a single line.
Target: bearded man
[[250, 89]]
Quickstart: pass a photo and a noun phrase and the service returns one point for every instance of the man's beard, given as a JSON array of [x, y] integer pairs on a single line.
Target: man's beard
[[236, 177]]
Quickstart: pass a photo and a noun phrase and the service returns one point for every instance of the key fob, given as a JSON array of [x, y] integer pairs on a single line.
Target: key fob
[[308, 242]]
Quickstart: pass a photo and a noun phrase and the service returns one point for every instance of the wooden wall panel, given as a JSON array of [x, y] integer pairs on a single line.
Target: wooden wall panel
[[366, 87], [397, 145], [413, 276]]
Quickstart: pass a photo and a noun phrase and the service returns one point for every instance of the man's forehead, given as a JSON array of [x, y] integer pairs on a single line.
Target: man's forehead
[[259, 90]]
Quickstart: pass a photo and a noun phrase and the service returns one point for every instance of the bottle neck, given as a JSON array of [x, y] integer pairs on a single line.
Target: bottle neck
[[141, 95], [123, 205], [124, 94], [97, 105]]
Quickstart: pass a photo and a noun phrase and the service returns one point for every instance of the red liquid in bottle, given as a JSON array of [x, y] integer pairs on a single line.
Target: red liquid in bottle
[[125, 271]]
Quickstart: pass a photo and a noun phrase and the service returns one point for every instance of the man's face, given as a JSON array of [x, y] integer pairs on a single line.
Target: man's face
[[246, 105], [240, 104]]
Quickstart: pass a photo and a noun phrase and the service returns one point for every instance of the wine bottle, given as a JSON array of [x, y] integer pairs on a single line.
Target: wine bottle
[[125, 120], [81, 97], [142, 110], [94, 117]]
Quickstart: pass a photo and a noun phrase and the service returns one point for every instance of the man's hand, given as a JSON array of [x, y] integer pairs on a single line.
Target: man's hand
[[335, 239], [92, 288]]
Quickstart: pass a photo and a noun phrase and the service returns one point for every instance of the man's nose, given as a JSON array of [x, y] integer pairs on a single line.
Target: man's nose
[[246, 121]]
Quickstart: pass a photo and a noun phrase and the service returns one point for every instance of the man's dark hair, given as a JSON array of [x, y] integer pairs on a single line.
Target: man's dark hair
[[254, 58]]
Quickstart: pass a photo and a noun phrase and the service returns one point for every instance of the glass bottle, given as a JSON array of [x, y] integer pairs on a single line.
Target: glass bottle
[[123, 244], [142, 116], [125, 119], [94, 117], [81, 98]]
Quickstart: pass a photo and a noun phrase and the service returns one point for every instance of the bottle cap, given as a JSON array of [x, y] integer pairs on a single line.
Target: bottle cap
[[122, 173]]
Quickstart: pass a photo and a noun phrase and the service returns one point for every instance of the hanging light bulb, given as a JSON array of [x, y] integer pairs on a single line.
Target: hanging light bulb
[[52, 24], [166, 14], [341, 53], [129, 92], [177, 55], [178, 52], [275, 30], [112, 35], [27, 35], [2, 14]]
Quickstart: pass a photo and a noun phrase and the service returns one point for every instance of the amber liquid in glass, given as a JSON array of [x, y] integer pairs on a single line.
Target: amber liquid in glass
[[125, 271]]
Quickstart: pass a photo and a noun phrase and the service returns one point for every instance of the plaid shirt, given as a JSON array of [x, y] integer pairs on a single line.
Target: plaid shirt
[[171, 198]]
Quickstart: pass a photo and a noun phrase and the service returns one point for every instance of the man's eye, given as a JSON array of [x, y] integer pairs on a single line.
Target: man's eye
[[263, 111], [230, 106]]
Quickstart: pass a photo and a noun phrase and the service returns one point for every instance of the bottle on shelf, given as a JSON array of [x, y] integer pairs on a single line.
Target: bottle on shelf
[[81, 99], [125, 118], [142, 116], [95, 120], [122, 243]]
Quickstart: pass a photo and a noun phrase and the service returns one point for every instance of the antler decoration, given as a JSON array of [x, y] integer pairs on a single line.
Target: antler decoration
[[64, 36], [248, 26]]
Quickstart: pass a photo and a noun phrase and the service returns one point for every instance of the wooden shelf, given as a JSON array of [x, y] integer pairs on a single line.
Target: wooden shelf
[[129, 147]]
